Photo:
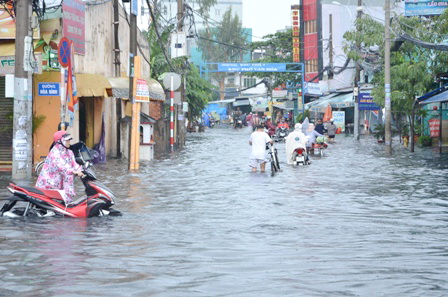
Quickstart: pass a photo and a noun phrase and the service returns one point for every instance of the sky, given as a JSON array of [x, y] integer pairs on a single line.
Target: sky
[[266, 16]]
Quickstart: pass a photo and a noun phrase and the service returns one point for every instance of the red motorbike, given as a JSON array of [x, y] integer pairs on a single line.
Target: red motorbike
[[320, 146], [43, 203], [300, 157]]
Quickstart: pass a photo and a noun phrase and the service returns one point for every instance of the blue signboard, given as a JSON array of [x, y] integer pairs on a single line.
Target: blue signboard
[[365, 102], [134, 7], [251, 67], [48, 89], [424, 7]]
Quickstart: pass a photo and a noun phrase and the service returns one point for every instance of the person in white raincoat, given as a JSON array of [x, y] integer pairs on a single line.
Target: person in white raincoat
[[294, 140]]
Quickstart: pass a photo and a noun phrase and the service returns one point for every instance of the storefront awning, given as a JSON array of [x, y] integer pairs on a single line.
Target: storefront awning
[[156, 91], [92, 85], [440, 97], [335, 100], [120, 88]]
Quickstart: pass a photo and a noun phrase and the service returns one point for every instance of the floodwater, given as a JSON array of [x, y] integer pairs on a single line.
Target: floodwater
[[198, 223]]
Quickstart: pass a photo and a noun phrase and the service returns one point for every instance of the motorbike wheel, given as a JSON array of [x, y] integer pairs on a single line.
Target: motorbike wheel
[[321, 152], [277, 163]]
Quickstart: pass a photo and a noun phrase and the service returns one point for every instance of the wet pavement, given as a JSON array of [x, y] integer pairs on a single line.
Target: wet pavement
[[198, 223]]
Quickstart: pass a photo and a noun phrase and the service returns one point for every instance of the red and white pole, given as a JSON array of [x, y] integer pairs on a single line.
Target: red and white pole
[[172, 114]]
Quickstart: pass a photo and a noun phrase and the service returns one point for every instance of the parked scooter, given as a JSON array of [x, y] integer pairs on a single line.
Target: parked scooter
[[300, 157], [44, 203]]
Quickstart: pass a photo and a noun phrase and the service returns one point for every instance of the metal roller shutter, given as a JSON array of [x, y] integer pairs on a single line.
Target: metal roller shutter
[[6, 124]]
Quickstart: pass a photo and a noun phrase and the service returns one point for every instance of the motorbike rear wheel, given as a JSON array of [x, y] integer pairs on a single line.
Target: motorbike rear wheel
[[272, 168]]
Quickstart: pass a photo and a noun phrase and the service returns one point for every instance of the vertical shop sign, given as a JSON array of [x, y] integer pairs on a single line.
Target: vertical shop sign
[[434, 127], [295, 24], [73, 21]]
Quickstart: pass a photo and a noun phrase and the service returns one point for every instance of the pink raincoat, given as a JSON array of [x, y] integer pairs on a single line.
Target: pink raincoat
[[57, 172]]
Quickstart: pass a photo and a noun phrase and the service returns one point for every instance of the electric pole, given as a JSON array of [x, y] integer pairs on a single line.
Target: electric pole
[[388, 116], [133, 137], [22, 130], [117, 73], [181, 119], [356, 82]]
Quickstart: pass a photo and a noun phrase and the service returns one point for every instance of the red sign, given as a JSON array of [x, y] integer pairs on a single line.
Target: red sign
[[434, 127], [64, 50], [73, 21]]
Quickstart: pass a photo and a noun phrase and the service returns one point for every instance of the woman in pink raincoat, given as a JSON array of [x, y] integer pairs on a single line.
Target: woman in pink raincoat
[[60, 167]]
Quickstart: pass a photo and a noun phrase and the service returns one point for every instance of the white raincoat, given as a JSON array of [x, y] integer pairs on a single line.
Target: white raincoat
[[294, 140]]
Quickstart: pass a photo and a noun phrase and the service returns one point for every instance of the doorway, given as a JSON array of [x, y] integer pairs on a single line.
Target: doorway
[[86, 120]]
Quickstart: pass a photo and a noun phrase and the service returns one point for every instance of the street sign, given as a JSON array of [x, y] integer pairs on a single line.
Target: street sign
[[251, 67], [64, 52], [167, 80], [48, 89], [134, 7]]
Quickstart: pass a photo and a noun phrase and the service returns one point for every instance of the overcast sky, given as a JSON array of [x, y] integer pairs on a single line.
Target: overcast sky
[[267, 16]]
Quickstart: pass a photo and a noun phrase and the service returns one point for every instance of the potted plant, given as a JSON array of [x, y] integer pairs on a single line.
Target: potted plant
[[424, 140], [379, 133]]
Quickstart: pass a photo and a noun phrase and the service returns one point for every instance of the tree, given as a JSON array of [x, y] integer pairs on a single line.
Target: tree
[[412, 67], [198, 89], [275, 48], [224, 43]]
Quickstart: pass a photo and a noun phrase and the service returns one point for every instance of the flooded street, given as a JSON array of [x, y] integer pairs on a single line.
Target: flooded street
[[198, 223]]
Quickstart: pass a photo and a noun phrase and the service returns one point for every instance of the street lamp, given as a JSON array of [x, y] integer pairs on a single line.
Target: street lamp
[[338, 3]]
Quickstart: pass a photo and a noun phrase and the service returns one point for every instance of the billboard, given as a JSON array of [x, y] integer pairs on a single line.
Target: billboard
[[365, 102], [424, 7]]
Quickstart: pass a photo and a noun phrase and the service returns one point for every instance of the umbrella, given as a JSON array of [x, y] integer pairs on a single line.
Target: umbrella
[[328, 114]]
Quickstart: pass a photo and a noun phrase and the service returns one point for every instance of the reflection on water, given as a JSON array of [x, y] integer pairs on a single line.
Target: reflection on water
[[198, 223]]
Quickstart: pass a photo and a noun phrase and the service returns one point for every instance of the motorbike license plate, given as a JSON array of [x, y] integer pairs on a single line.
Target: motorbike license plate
[[300, 159]]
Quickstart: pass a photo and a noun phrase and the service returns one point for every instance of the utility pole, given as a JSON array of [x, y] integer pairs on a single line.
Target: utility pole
[[388, 123], [133, 137], [22, 130], [356, 82], [181, 119], [117, 73]]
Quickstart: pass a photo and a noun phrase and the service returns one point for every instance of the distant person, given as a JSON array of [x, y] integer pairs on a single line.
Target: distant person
[[258, 141], [331, 130], [320, 127]]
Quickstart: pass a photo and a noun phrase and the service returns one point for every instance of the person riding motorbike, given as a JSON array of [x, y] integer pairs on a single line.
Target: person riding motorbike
[[312, 137], [236, 116], [269, 126], [295, 139], [280, 125], [60, 167]]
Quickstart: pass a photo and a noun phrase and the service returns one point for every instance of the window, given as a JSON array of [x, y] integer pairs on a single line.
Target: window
[[249, 82], [310, 27]]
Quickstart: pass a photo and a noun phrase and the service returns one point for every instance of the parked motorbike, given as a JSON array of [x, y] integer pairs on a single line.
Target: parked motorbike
[[31, 201], [300, 157]]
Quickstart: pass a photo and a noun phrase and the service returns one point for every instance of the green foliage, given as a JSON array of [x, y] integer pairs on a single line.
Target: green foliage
[[8, 128], [37, 121], [199, 92], [424, 140], [224, 43], [379, 132], [301, 116], [278, 49], [413, 67], [198, 89]]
